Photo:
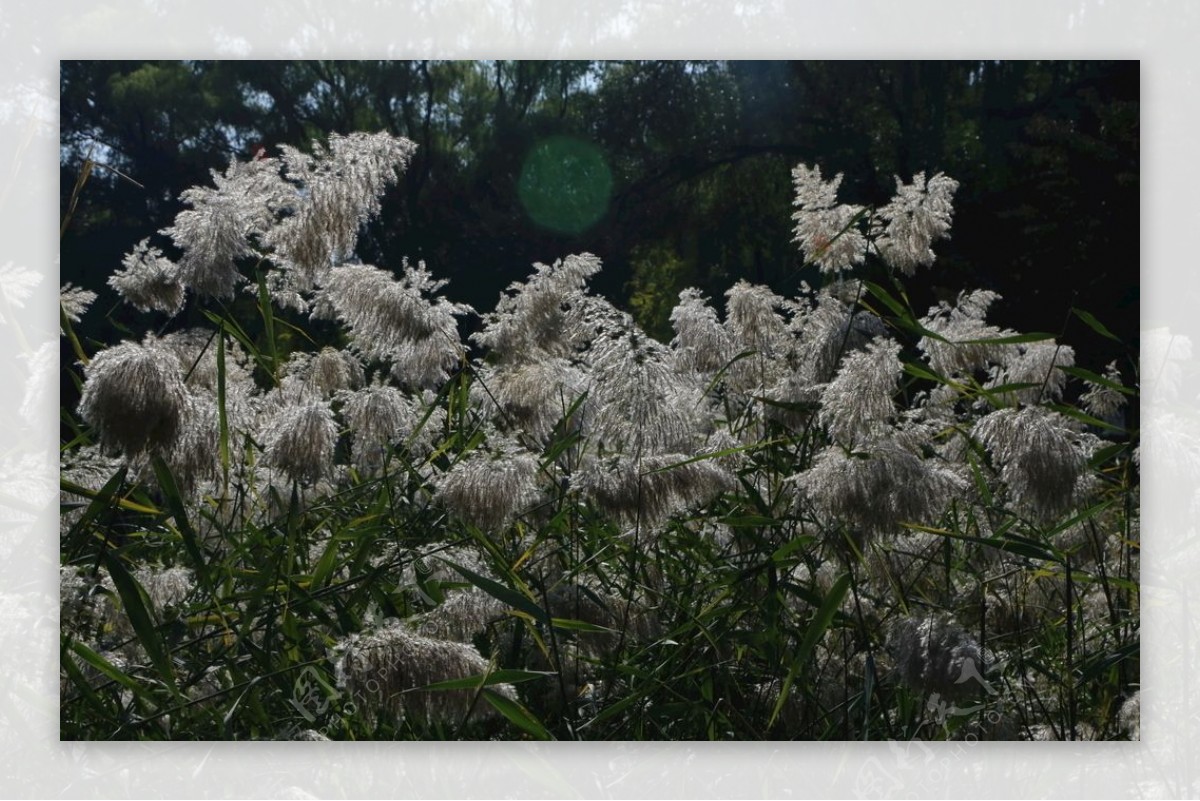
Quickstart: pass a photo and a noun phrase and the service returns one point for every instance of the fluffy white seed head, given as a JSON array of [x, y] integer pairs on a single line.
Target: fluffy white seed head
[[87, 467], [490, 487], [196, 349], [1131, 716], [640, 404], [378, 416], [878, 490], [962, 326], [74, 301], [300, 441], [381, 670], [337, 189], [1102, 401], [464, 615], [919, 215], [830, 330], [195, 456], [935, 655], [149, 281], [530, 319], [395, 320], [531, 396], [326, 372], [218, 230], [1037, 364], [1039, 455], [166, 587], [649, 490], [858, 403], [755, 320], [827, 232], [701, 344], [134, 396]]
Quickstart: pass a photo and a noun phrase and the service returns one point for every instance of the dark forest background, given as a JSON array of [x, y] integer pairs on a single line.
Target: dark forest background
[[675, 173]]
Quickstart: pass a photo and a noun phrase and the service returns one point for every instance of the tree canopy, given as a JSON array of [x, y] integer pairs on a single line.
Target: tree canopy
[[675, 173]]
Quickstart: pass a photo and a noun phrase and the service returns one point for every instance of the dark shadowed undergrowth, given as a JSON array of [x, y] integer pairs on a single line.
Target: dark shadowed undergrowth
[[320, 513]]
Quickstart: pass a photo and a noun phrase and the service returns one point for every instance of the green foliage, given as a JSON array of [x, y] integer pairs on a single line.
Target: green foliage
[[367, 599], [658, 276]]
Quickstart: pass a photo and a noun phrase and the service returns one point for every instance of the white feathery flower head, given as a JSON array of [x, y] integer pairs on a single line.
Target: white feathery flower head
[[771, 328], [78, 604], [300, 441], [879, 490], [491, 486], [337, 189], [934, 654], [195, 456], [196, 350], [149, 281], [858, 403], [651, 489], [533, 396], [461, 617], [427, 363], [87, 467], [310, 735], [332, 370], [962, 325], [377, 415], [381, 669], [701, 344], [74, 301], [432, 561], [591, 319], [917, 216], [394, 321], [531, 316], [1131, 716], [215, 233], [1035, 363], [166, 589], [135, 397], [381, 311], [1103, 401], [754, 320], [640, 404], [165, 586], [1039, 455], [829, 331], [827, 232]]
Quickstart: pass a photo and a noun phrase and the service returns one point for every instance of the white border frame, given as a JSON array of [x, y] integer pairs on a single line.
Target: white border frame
[[34, 36]]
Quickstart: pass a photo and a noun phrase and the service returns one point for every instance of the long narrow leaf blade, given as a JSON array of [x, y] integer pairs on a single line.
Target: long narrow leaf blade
[[135, 603], [518, 715], [816, 630]]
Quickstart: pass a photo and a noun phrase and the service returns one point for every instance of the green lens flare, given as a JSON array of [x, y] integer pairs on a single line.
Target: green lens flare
[[565, 184]]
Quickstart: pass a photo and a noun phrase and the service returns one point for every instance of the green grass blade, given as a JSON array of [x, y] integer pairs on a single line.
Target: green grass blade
[[101, 501], [222, 415], [503, 676], [137, 608], [518, 715], [111, 671], [174, 499], [1095, 324], [816, 630], [504, 594]]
